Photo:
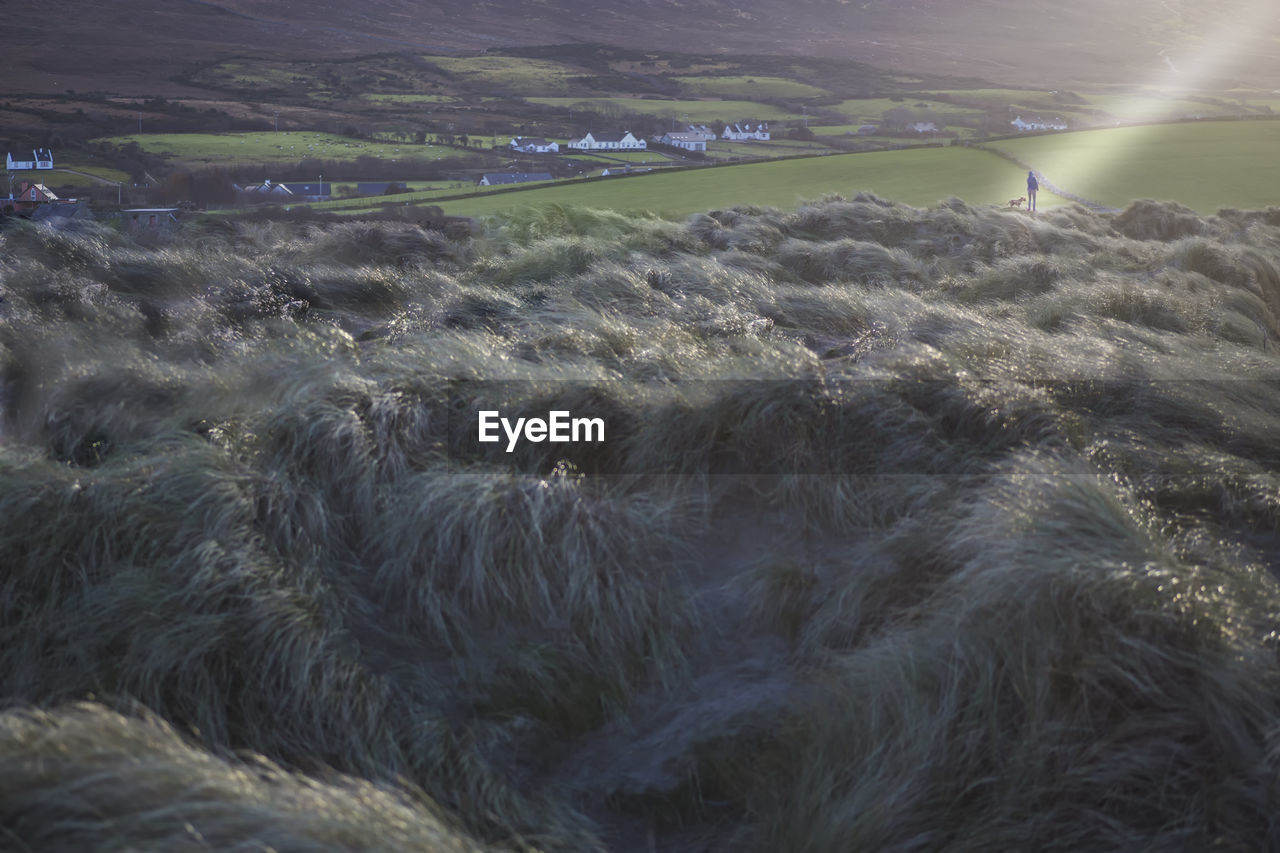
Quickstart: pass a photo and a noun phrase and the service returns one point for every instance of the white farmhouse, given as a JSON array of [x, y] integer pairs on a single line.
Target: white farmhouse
[[746, 131], [41, 158], [687, 141], [535, 145], [623, 141], [1056, 124]]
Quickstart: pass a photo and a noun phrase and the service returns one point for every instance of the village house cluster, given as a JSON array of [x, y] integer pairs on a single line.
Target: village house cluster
[[692, 138], [1039, 124], [32, 199]]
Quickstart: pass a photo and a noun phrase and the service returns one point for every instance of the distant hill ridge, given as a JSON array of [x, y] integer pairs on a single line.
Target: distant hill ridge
[[72, 42]]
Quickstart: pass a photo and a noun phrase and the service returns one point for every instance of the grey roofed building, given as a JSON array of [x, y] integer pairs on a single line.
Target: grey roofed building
[[149, 217], [493, 179], [266, 188]]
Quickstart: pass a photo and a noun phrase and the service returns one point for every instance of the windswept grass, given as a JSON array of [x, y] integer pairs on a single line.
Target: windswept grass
[[83, 777], [912, 528]]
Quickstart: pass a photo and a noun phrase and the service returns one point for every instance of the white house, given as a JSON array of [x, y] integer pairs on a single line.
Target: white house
[[1056, 124], [41, 158], [687, 141], [746, 131], [923, 127], [608, 142], [266, 191], [535, 145], [707, 134]]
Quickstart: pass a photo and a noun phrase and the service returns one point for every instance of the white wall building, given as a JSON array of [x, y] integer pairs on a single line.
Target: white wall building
[[535, 145], [687, 141], [41, 158], [623, 141], [1056, 124], [746, 131]]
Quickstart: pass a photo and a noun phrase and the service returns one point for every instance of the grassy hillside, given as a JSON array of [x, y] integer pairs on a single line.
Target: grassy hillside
[[221, 149], [911, 528], [1030, 43], [749, 88], [698, 111], [1204, 165]]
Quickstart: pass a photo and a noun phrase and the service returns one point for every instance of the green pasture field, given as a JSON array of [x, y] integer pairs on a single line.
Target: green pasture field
[[105, 172], [782, 148], [1204, 165], [922, 176], [876, 107], [60, 177], [206, 149], [839, 129], [252, 73], [849, 132], [794, 144], [606, 157], [750, 88], [697, 111], [417, 188], [1001, 96], [513, 74], [427, 196], [1148, 107], [1254, 98]]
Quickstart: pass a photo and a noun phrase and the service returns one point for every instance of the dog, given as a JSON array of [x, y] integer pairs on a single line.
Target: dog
[[1017, 202]]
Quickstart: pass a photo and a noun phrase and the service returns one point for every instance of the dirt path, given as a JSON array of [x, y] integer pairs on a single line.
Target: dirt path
[[1045, 183]]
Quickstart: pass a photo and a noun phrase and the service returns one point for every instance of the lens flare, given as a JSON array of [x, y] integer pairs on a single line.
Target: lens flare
[[1174, 91]]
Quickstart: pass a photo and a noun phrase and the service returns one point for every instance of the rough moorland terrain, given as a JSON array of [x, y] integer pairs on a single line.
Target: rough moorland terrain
[[912, 528]]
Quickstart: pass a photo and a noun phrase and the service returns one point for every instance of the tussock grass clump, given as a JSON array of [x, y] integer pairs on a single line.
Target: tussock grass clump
[[1213, 260], [1063, 688], [396, 244], [83, 249], [867, 217], [168, 595], [1020, 277], [83, 777], [1159, 220], [550, 258], [851, 260], [473, 548]]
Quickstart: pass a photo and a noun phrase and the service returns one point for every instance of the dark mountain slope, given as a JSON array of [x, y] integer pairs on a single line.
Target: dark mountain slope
[[75, 43]]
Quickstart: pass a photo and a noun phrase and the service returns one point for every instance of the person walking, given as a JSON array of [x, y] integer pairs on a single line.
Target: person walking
[[1032, 186]]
